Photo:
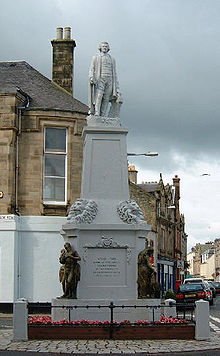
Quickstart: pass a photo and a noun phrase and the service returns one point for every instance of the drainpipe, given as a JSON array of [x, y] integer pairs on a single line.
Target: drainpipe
[[19, 110]]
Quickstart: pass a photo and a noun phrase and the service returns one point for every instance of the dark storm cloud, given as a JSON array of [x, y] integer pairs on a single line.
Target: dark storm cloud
[[168, 63], [167, 54]]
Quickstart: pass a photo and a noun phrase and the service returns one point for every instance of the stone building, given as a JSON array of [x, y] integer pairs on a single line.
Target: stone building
[[40, 177], [190, 262], [194, 258], [160, 205], [204, 260], [217, 256]]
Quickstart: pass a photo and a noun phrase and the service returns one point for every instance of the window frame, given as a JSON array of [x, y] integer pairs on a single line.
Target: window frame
[[52, 152], [163, 238]]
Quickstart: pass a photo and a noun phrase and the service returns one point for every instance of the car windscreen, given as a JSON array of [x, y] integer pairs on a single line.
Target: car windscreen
[[192, 281], [217, 284], [190, 287]]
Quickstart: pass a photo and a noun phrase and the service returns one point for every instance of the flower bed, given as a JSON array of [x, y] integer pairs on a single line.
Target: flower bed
[[42, 327]]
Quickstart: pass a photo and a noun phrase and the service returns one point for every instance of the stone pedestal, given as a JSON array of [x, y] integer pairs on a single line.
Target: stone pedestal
[[104, 226]]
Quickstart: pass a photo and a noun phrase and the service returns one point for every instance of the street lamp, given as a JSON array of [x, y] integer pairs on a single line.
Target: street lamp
[[149, 154], [132, 171]]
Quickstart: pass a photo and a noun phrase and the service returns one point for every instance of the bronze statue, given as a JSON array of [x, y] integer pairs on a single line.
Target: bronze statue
[[146, 272], [69, 273]]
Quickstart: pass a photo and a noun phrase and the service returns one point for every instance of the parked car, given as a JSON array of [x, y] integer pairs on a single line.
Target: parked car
[[212, 287], [190, 293], [217, 287], [193, 280], [209, 292]]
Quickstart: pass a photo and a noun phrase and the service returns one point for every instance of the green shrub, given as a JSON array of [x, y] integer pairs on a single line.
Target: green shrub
[[169, 294]]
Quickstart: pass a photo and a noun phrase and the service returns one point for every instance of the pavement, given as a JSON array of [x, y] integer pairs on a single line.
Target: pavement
[[107, 346]]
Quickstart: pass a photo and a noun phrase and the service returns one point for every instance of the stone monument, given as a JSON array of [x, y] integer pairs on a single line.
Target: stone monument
[[106, 228]]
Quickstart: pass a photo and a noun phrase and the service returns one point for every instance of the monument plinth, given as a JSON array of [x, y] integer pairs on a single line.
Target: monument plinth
[[104, 226]]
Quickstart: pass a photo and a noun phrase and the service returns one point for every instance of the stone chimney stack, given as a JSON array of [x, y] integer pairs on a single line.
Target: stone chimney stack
[[63, 61], [176, 183], [132, 174]]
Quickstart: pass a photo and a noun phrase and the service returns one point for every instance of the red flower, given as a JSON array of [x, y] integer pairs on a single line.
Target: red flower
[[46, 320]]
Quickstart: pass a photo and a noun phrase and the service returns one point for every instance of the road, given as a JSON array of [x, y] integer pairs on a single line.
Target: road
[[196, 353], [215, 315]]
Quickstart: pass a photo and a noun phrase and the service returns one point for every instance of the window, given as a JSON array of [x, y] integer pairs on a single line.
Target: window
[[163, 239], [55, 165], [166, 210], [158, 209]]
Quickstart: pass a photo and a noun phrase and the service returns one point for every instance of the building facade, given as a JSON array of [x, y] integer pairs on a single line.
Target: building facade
[[160, 205], [204, 260], [41, 152]]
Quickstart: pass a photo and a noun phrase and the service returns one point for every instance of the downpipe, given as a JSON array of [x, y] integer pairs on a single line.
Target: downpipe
[[19, 111]]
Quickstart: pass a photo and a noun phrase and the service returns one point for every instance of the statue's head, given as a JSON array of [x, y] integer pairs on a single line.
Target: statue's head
[[67, 246], [104, 47]]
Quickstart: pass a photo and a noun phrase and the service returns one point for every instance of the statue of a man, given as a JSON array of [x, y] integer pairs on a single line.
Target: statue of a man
[[103, 83], [69, 273]]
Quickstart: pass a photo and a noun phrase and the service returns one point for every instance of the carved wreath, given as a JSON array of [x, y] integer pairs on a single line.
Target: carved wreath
[[130, 212], [82, 211]]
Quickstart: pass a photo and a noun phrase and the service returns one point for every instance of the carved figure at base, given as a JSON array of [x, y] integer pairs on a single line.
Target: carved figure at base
[[146, 274], [69, 273], [103, 83]]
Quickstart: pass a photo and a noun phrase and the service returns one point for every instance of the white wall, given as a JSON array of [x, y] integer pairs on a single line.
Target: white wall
[[207, 268], [7, 238], [29, 258], [190, 260]]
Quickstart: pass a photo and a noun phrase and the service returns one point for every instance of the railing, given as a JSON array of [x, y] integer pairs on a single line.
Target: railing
[[186, 312], [202, 327]]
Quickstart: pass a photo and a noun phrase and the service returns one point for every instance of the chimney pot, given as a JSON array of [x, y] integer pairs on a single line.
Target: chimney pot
[[59, 33], [67, 33]]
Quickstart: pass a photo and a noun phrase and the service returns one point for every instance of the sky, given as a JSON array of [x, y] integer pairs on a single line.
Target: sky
[[168, 64]]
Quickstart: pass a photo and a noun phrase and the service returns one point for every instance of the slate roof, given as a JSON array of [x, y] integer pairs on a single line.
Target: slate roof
[[42, 92], [149, 187]]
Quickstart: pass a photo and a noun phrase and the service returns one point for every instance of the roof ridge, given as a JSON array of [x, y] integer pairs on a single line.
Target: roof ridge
[[17, 61]]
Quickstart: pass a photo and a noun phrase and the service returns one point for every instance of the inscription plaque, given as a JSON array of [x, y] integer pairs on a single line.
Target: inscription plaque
[[107, 267]]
